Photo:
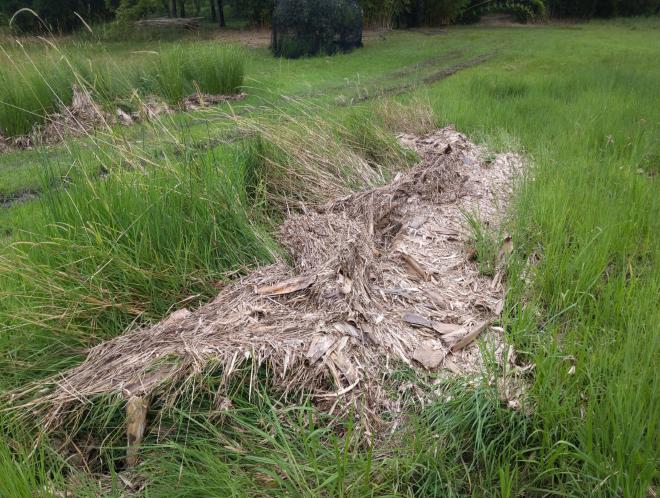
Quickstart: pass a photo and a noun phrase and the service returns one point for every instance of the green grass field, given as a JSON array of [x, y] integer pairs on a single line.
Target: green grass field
[[114, 229]]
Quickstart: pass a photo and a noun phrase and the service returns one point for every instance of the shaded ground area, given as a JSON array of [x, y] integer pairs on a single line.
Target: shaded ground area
[[260, 38]]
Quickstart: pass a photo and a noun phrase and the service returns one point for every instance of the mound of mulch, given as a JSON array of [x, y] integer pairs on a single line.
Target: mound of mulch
[[376, 280], [201, 100], [4, 144], [84, 116], [80, 118]]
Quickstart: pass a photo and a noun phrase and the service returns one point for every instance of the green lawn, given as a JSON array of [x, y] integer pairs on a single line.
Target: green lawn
[[580, 101]]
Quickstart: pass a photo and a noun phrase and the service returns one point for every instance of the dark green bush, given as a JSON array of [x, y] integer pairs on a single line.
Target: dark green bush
[[522, 10], [308, 27]]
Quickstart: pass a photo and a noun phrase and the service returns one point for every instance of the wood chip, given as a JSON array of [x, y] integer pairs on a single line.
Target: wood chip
[[437, 298], [414, 267], [470, 336], [177, 316], [397, 291], [446, 231], [429, 358], [445, 328], [452, 367], [346, 284], [346, 328], [417, 222], [419, 321], [287, 286], [319, 347], [345, 367], [136, 422]]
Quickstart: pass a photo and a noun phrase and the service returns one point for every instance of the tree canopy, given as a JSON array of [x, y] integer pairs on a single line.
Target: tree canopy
[[63, 15]]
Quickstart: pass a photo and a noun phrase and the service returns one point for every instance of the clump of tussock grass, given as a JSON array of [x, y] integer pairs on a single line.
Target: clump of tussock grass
[[30, 91], [414, 115], [107, 79], [131, 246], [35, 85], [485, 242], [309, 159], [216, 70], [151, 236]]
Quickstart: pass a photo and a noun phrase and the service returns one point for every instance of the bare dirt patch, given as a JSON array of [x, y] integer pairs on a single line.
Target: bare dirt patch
[[376, 280]]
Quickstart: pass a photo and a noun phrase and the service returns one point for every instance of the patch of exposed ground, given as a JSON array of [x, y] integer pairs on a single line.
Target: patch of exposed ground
[[377, 280], [18, 197], [429, 79]]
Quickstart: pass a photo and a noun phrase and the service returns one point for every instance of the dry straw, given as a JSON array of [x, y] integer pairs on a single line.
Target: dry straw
[[347, 309]]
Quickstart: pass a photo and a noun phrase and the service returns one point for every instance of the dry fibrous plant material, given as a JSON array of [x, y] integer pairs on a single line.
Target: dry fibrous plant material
[[83, 116], [341, 312], [314, 160]]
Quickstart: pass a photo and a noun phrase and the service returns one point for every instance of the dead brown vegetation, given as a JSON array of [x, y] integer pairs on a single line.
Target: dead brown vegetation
[[376, 280]]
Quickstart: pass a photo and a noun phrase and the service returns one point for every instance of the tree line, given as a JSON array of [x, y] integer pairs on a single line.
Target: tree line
[[64, 15]]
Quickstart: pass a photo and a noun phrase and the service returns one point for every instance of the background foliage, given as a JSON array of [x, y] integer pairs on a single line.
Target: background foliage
[[307, 27], [60, 15]]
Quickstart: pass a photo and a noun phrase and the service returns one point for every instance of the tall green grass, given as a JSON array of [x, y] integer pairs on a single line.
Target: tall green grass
[[131, 247], [177, 72], [28, 92], [582, 104], [583, 283], [35, 83]]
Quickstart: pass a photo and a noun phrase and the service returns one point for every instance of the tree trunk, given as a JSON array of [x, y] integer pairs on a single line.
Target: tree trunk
[[172, 8], [273, 28], [183, 8], [222, 13], [219, 9], [214, 17]]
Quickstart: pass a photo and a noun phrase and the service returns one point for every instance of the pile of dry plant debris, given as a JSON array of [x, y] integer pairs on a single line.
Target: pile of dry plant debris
[[83, 116], [376, 280]]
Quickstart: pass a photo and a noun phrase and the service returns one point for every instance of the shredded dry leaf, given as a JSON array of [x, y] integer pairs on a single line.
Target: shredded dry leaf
[[345, 310]]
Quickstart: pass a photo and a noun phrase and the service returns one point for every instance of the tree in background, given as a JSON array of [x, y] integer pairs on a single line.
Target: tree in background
[[257, 12], [309, 27], [601, 8], [218, 12], [523, 10], [59, 15], [386, 13]]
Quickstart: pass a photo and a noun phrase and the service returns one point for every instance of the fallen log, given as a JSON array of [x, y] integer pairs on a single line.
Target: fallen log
[[189, 23]]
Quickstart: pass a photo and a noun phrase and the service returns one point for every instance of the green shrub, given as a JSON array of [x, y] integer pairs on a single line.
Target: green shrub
[[309, 27]]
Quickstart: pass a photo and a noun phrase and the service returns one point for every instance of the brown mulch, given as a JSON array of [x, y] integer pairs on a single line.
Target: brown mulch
[[85, 116], [376, 280]]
